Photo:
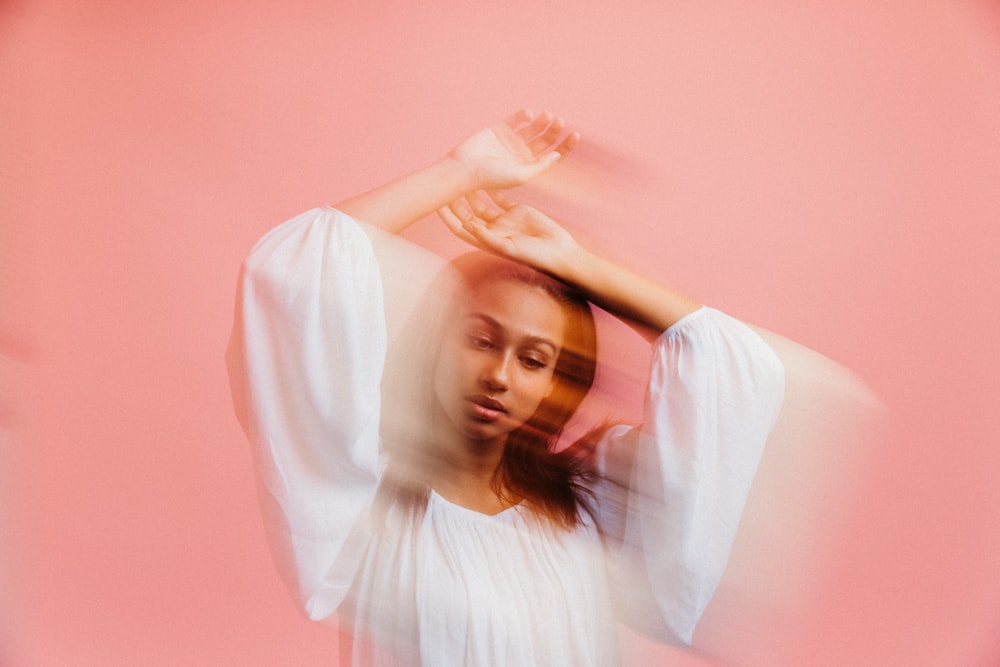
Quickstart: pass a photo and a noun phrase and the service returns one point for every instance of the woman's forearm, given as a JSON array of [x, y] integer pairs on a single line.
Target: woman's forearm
[[403, 201], [647, 306], [525, 234], [503, 155]]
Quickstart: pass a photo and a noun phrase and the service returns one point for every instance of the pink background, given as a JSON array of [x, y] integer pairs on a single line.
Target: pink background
[[826, 170]]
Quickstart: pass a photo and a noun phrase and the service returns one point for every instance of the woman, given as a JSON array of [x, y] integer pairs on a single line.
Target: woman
[[438, 523]]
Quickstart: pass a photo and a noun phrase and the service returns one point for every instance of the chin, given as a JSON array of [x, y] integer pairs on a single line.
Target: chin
[[484, 434], [476, 431]]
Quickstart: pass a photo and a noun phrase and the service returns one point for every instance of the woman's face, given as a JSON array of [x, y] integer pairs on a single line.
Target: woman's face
[[497, 358]]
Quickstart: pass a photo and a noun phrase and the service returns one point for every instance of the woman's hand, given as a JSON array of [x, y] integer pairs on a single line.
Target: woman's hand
[[513, 152], [502, 156], [495, 223]]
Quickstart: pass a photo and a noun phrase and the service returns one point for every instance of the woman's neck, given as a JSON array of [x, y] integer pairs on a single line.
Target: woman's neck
[[464, 473]]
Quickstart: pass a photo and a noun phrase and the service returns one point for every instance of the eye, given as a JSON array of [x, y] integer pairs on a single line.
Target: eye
[[534, 363], [479, 341]]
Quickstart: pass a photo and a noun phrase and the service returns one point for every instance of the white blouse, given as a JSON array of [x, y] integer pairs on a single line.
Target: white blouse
[[453, 586]]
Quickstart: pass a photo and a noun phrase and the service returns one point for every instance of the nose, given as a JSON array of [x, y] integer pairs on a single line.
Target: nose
[[496, 372]]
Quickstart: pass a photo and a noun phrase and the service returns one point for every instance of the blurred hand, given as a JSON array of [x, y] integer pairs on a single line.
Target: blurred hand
[[494, 222], [515, 151]]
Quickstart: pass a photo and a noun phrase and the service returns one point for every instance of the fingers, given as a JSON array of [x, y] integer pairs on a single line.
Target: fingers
[[485, 206], [544, 136], [472, 212], [478, 206], [536, 127], [501, 200], [519, 118], [477, 219], [567, 144], [547, 137], [542, 133], [455, 224]]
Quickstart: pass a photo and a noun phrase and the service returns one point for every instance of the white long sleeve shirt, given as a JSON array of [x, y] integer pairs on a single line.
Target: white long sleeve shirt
[[453, 586]]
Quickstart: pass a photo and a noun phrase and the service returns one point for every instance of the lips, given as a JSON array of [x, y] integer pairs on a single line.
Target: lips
[[486, 408]]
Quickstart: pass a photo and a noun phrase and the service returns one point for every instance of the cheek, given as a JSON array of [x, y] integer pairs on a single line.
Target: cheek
[[535, 389], [444, 375], [451, 368]]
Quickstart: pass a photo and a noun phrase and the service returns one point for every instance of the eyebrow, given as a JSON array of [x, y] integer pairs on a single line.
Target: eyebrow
[[534, 340]]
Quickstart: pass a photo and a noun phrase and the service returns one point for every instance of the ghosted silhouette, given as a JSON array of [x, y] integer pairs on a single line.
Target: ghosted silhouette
[[408, 452]]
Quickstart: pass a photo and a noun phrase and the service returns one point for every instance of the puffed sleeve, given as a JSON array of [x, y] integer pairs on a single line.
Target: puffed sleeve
[[305, 361], [674, 489]]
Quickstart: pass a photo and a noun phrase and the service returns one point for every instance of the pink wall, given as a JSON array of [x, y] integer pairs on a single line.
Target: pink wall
[[826, 170]]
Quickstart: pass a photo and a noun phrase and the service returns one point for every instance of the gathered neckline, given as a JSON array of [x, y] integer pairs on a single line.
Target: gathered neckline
[[468, 510]]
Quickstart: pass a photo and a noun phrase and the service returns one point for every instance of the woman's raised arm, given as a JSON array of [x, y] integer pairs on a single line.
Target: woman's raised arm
[[504, 155], [498, 224]]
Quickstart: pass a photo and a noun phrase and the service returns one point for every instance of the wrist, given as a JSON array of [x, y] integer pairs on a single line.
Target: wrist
[[462, 177], [399, 203]]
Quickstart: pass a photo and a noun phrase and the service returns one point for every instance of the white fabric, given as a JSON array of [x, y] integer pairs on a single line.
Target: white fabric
[[455, 587]]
